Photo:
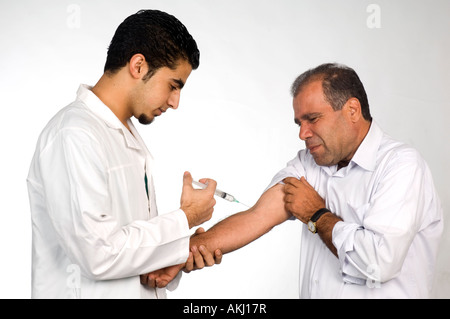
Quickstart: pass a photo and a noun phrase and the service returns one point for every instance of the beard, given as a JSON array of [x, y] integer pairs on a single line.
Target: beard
[[144, 119]]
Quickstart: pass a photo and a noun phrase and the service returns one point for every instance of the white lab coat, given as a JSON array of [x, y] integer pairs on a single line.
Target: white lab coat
[[94, 228]]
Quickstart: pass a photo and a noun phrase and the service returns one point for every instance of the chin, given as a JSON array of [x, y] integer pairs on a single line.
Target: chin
[[323, 162], [144, 119]]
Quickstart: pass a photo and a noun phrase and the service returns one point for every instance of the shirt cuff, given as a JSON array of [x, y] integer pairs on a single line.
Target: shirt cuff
[[184, 224], [181, 216], [343, 239]]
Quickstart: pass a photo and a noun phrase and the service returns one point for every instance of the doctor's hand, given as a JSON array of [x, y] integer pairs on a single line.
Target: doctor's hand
[[198, 259], [162, 277], [301, 199], [197, 204]]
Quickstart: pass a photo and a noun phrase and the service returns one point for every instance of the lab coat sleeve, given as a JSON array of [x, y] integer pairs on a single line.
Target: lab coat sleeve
[[77, 195], [377, 249]]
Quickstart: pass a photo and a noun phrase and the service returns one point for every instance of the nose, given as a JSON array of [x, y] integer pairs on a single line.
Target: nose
[[174, 99], [305, 132]]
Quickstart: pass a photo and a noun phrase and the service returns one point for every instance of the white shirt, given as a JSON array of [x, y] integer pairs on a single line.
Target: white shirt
[[94, 228], [392, 223]]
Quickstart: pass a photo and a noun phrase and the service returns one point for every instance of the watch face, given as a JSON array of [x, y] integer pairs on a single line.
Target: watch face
[[312, 226]]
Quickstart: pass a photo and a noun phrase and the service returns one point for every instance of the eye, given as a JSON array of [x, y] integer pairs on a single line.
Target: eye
[[313, 118]]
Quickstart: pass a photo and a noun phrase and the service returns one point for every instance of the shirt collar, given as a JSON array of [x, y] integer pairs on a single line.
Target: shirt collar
[[102, 111], [366, 154]]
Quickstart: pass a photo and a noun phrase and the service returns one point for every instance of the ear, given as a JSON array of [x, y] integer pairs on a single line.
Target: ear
[[138, 66], [353, 108]]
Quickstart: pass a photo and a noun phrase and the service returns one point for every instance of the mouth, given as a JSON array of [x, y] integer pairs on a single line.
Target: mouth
[[160, 111], [313, 148]]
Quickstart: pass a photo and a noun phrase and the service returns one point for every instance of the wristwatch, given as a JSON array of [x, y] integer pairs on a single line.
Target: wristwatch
[[312, 222]]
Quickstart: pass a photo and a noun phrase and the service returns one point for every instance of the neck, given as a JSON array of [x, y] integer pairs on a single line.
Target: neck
[[112, 92], [360, 136]]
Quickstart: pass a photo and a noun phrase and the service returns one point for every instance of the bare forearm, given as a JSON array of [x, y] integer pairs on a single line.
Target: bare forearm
[[325, 226], [240, 229], [230, 234]]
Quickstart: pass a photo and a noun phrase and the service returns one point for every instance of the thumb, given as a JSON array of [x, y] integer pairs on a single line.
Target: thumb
[[187, 179]]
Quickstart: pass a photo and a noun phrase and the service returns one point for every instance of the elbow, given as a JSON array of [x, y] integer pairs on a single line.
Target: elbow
[[92, 272], [93, 268]]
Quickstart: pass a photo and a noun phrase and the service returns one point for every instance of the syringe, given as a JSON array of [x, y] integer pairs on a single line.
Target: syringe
[[219, 193]]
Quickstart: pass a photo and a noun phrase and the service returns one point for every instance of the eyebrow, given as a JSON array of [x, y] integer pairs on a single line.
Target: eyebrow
[[179, 83]]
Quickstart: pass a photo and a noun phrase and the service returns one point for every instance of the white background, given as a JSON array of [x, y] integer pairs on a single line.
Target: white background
[[235, 120]]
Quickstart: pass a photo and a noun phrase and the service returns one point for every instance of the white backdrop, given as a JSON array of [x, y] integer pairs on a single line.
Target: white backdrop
[[235, 120]]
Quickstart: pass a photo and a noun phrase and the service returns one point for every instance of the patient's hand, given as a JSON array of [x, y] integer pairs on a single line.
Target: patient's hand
[[198, 259]]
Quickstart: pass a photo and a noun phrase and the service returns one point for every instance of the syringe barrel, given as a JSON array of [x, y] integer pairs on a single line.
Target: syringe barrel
[[218, 192], [224, 195]]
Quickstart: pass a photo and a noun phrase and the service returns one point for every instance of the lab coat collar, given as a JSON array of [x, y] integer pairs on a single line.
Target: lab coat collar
[[94, 104], [366, 154]]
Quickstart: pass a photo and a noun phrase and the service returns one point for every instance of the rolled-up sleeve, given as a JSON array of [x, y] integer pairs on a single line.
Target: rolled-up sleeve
[[294, 168], [376, 249]]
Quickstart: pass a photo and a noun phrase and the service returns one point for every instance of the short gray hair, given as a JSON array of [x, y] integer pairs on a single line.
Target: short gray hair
[[339, 84]]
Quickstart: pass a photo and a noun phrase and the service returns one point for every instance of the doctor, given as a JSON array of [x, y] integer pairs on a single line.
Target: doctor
[[94, 218]]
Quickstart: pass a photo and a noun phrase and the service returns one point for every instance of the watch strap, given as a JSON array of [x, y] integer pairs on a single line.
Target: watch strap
[[319, 213]]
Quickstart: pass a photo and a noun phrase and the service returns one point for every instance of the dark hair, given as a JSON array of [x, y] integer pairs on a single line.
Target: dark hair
[[339, 83], [160, 37]]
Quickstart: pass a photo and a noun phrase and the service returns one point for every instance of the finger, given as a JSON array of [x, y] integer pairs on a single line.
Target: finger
[[151, 281], [210, 184], [144, 279], [199, 231], [207, 256], [198, 258], [189, 263], [161, 283], [288, 198], [289, 201], [292, 185], [187, 180], [218, 256], [291, 180], [288, 189]]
